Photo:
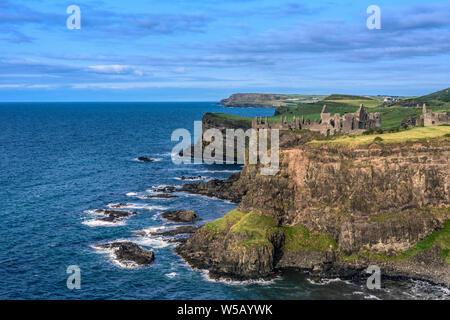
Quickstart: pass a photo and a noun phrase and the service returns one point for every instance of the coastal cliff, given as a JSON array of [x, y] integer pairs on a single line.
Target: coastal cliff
[[254, 100], [333, 209]]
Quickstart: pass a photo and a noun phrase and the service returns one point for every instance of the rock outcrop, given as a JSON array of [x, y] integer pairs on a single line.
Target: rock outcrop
[[180, 216], [129, 252], [113, 215]]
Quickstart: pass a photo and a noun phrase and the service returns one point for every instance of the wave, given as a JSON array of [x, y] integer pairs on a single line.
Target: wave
[[153, 242], [102, 223], [262, 282], [142, 206], [131, 194], [217, 171], [325, 281], [193, 179], [154, 160], [111, 252], [171, 275]]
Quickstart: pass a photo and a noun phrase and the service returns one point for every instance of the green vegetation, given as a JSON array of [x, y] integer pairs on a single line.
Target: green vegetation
[[300, 238], [223, 224], [440, 238], [258, 229], [410, 135], [439, 98], [237, 120], [310, 106], [254, 225]]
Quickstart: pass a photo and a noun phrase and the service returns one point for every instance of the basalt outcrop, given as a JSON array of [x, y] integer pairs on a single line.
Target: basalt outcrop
[[180, 216], [126, 252], [334, 209]]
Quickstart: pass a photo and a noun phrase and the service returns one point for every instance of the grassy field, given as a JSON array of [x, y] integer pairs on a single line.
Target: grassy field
[[414, 134]]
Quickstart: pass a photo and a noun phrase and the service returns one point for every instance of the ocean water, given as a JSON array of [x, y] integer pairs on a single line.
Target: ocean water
[[60, 160]]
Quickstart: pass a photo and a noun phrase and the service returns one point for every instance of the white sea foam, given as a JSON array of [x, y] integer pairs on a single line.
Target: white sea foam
[[141, 206], [193, 178], [154, 160], [171, 275], [262, 282], [217, 171], [153, 242], [150, 230], [131, 194], [101, 223], [324, 281], [119, 205]]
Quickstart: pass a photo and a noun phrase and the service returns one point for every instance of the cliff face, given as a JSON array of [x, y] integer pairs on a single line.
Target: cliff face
[[336, 206], [370, 197]]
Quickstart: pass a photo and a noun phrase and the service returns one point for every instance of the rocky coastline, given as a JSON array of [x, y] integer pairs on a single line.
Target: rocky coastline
[[331, 212]]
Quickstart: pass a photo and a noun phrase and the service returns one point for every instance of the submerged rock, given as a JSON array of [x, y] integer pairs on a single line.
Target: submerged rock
[[160, 196], [183, 178], [113, 215], [182, 230], [166, 189], [177, 231], [180, 216], [119, 205], [128, 251], [145, 159]]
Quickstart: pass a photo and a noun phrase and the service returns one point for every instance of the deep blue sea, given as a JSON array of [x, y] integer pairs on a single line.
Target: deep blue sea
[[60, 160]]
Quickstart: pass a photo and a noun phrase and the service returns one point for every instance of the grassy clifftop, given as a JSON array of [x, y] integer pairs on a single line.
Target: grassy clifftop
[[410, 135]]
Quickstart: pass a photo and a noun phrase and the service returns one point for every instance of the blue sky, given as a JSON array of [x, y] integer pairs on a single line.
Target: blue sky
[[204, 50]]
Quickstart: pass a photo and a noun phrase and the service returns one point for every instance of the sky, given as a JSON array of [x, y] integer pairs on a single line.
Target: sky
[[205, 50]]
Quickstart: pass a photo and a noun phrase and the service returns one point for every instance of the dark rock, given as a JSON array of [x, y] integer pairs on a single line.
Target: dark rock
[[114, 215], [167, 189], [177, 231], [180, 216], [129, 251], [228, 189], [183, 178], [145, 159], [160, 196], [119, 205]]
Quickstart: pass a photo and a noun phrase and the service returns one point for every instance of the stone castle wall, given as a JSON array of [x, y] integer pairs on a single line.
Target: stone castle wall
[[357, 122]]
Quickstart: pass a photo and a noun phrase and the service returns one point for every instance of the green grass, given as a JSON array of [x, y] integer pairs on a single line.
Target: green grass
[[230, 117], [257, 230], [222, 225], [300, 238], [440, 238], [410, 135], [254, 225]]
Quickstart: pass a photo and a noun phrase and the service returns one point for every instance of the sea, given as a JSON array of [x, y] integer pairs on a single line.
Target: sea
[[61, 161]]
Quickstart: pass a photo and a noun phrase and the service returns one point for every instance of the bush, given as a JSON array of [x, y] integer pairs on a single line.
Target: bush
[[377, 139]]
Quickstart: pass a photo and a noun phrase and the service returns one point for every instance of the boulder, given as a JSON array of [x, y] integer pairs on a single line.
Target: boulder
[[180, 216]]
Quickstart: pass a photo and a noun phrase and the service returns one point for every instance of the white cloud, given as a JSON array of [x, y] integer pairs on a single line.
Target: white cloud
[[112, 69]]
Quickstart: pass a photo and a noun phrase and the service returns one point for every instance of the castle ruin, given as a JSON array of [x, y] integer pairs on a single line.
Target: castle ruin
[[328, 124], [430, 118]]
